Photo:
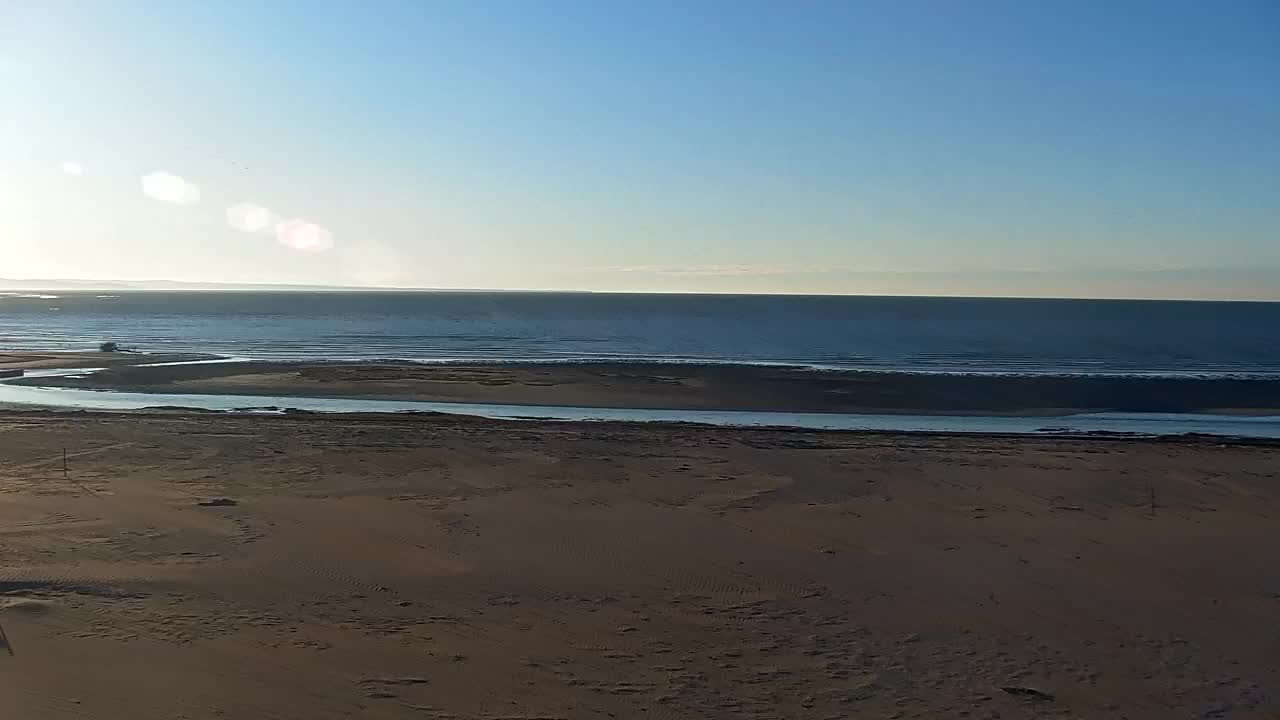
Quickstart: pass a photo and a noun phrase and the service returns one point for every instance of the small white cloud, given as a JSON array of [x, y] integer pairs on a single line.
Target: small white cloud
[[167, 187], [251, 218], [72, 168], [302, 235]]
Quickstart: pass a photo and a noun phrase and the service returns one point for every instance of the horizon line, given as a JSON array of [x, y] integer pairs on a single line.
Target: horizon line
[[76, 285]]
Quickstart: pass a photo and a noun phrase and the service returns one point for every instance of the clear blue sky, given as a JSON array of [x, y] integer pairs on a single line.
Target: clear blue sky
[[1077, 148]]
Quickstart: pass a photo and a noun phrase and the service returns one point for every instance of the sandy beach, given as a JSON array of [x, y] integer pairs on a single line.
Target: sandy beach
[[688, 387], [224, 566]]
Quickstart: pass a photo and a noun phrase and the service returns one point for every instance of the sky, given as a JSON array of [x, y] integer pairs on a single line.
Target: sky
[[979, 148]]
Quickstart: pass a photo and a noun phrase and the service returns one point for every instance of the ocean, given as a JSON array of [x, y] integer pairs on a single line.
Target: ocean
[[914, 334]]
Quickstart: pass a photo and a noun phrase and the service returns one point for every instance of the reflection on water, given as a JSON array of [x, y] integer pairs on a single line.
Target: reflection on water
[[1143, 423]]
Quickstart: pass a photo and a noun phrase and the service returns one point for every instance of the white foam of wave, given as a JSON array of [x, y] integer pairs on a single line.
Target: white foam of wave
[[33, 296]]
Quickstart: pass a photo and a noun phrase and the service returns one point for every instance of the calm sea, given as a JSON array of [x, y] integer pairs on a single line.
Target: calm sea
[[875, 333]]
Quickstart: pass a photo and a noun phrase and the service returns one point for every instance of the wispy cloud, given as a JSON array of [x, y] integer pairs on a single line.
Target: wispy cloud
[[773, 270], [729, 270]]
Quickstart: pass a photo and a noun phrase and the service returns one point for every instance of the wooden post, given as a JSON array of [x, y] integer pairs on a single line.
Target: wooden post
[[65, 475]]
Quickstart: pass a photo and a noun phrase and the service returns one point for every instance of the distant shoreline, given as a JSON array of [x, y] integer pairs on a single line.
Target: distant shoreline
[[661, 386], [15, 288]]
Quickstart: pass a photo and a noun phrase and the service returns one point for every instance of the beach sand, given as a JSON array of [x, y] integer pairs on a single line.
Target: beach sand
[[225, 566], [700, 387]]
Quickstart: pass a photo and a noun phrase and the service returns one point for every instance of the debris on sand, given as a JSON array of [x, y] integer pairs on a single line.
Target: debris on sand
[[26, 605], [408, 680], [1026, 692], [217, 502]]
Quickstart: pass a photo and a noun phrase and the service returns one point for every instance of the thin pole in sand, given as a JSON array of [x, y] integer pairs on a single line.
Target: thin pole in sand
[[66, 475]]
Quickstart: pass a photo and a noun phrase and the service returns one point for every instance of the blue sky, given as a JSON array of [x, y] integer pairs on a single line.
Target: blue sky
[[921, 147]]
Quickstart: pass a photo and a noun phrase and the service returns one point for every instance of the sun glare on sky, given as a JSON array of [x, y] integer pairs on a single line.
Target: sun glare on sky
[[167, 187], [251, 218], [302, 235]]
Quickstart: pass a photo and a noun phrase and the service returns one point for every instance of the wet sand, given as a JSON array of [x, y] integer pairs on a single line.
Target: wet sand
[[221, 566], [702, 387], [25, 360]]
